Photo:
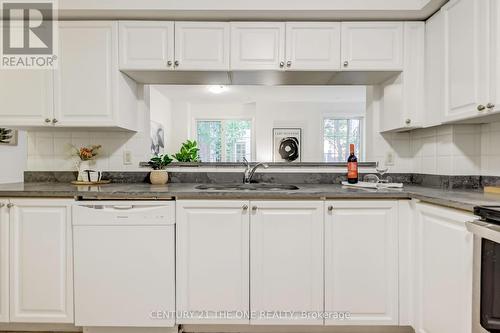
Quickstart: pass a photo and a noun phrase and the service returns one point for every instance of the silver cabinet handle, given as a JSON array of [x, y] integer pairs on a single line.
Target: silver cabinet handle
[[490, 105], [169, 63], [55, 121], [176, 63], [47, 120], [330, 208], [254, 208], [282, 64], [346, 63], [481, 107], [10, 205], [245, 208], [408, 121], [2, 205], [288, 63]]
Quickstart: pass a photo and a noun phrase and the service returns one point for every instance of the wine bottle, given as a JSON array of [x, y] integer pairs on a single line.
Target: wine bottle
[[352, 166]]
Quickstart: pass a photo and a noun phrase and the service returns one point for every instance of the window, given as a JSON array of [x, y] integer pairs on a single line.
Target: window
[[338, 135], [224, 140]]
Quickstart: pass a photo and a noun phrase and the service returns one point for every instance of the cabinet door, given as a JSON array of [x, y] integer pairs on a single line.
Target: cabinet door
[[4, 262], [444, 264], [84, 81], [202, 45], [434, 70], [403, 95], [146, 45], [312, 46], [212, 261], [286, 262], [41, 268], [257, 45], [26, 97], [372, 45], [465, 60], [361, 262]]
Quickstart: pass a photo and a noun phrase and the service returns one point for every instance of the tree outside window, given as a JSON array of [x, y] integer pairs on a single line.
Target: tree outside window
[[338, 135], [224, 140]]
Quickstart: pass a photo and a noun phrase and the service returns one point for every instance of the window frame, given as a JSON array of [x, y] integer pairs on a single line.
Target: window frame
[[362, 128], [194, 136]]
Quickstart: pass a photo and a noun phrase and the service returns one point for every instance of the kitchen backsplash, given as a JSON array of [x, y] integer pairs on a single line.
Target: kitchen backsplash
[[441, 150]]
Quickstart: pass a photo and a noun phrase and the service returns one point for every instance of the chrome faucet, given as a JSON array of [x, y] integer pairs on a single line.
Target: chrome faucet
[[250, 171]]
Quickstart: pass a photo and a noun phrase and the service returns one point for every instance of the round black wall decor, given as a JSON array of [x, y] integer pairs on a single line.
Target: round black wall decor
[[289, 149]]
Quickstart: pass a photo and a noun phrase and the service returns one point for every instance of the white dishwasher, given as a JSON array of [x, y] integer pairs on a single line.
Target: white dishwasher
[[124, 263]]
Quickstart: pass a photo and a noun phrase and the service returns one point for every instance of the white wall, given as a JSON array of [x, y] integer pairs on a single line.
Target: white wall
[[13, 159]]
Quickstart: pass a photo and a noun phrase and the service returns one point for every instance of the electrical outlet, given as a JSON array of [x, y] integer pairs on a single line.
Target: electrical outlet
[[127, 157], [389, 158]]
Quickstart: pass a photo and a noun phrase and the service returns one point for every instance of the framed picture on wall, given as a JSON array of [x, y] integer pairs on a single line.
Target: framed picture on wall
[[287, 144], [157, 138], [8, 137]]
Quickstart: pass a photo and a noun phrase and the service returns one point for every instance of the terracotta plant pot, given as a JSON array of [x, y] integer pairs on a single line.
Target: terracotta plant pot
[[158, 177]]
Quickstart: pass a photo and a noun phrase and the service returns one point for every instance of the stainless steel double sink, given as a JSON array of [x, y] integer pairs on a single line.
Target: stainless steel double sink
[[247, 187]]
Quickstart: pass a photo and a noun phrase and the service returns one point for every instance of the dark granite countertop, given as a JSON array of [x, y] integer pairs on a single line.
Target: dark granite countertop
[[460, 199]]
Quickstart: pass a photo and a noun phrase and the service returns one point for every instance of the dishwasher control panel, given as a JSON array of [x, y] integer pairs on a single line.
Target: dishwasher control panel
[[124, 213]]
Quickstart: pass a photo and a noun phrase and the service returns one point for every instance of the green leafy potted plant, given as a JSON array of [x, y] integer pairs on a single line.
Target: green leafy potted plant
[[159, 176], [189, 152]]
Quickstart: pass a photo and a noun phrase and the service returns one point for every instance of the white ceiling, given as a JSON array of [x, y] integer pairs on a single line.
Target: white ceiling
[[248, 94], [227, 10]]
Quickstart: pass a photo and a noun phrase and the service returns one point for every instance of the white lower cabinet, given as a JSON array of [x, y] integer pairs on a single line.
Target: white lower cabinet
[[212, 261], [361, 262], [41, 267], [444, 270], [267, 262], [286, 262]]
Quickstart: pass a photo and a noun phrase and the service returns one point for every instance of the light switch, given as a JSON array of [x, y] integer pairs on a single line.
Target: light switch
[[389, 158], [127, 157]]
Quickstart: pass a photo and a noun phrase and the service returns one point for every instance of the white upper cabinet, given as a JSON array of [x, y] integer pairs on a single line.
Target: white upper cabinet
[[41, 261], [444, 263], [361, 262], [4, 261], [26, 97], [146, 45], [84, 79], [202, 46], [89, 89], [312, 46], [257, 45], [434, 70], [403, 95], [372, 46], [286, 261], [466, 89], [212, 260]]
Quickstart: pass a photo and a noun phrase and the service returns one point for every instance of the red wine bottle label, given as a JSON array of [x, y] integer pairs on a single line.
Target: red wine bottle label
[[352, 170]]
